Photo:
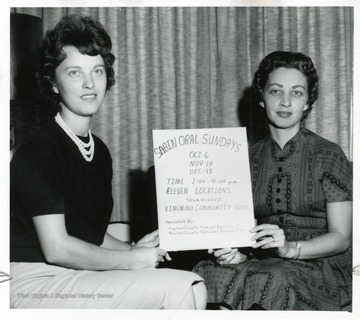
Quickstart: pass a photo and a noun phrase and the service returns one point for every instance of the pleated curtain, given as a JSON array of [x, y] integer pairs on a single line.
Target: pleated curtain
[[192, 67]]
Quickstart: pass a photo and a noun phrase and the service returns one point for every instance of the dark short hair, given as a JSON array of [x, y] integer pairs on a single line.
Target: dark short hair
[[83, 33], [287, 59]]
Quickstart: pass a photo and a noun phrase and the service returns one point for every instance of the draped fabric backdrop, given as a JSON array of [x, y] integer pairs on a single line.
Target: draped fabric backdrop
[[192, 67]]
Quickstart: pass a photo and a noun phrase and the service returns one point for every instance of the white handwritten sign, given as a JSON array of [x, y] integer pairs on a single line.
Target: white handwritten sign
[[203, 188]]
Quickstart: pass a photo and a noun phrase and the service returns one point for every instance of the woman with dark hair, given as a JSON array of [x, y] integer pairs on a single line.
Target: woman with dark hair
[[302, 192], [61, 197]]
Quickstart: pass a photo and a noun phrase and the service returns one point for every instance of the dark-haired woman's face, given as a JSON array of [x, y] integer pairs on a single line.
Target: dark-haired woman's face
[[80, 80], [285, 97]]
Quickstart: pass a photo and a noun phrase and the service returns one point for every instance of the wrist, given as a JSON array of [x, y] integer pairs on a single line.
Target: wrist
[[289, 251], [298, 248], [131, 259]]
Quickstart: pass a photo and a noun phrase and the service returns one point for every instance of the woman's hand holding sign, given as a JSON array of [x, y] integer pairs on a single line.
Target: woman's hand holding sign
[[228, 256]]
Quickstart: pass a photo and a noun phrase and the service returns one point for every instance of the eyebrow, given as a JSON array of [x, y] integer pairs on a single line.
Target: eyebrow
[[78, 67], [281, 86]]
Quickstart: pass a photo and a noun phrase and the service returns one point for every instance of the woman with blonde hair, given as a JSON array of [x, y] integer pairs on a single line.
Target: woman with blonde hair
[[61, 197]]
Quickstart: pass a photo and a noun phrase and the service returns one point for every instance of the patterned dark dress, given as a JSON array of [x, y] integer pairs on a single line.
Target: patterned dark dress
[[291, 187]]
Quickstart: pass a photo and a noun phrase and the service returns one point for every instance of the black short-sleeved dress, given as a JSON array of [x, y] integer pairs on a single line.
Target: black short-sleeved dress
[[291, 187], [49, 176]]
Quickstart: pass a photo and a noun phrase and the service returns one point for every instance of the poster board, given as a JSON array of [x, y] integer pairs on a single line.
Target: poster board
[[203, 188]]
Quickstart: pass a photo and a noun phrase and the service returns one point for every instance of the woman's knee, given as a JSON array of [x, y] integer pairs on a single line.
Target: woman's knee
[[200, 295], [195, 298]]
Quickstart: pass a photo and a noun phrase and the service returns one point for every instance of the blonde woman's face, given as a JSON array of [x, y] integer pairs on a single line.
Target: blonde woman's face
[[80, 80]]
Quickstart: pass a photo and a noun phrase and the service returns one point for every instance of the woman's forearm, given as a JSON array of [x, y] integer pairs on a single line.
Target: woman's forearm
[[62, 249], [112, 243], [335, 241], [323, 246], [78, 254]]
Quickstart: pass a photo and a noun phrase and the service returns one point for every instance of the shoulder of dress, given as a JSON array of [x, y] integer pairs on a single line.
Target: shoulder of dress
[[323, 148], [101, 146], [319, 141], [258, 145], [99, 141]]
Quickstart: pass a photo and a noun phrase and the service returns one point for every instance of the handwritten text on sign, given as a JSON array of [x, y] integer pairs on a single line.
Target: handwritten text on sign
[[203, 188]]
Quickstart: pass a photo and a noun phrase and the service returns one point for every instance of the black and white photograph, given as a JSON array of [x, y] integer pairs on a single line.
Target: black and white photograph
[[179, 160]]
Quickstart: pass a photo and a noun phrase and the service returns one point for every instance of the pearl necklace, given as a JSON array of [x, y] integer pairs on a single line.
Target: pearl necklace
[[86, 149]]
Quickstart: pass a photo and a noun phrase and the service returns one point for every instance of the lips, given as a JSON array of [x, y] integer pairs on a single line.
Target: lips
[[284, 114], [88, 96]]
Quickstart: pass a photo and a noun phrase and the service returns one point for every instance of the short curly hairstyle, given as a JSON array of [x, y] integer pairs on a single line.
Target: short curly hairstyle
[[287, 59], [83, 33]]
